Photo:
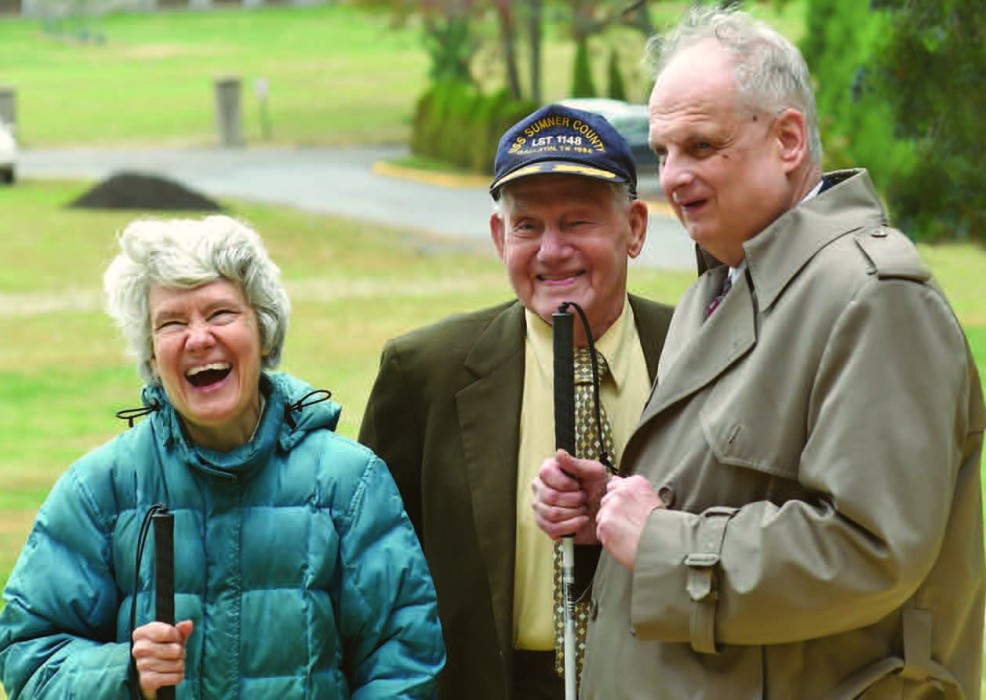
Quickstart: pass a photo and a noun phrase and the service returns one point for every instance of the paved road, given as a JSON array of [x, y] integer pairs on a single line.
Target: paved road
[[340, 181]]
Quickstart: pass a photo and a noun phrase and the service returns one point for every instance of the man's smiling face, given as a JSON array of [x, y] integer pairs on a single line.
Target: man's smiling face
[[568, 238]]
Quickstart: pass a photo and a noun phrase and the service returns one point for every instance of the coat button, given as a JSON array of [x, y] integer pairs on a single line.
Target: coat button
[[594, 610], [666, 494]]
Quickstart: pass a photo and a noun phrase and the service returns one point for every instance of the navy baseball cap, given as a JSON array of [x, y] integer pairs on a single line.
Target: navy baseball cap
[[565, 141]]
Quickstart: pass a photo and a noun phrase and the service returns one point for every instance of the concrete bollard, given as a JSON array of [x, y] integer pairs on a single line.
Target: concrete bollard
[[8, 107], [228, 113]]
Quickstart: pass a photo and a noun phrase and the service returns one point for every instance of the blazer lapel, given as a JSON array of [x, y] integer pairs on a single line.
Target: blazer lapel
[[489, 415], [651, 332], [704, 348]]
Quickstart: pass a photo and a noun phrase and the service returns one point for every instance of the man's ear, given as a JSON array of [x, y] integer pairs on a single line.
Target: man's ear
[[497, 233], [637, 218], [792, 138]]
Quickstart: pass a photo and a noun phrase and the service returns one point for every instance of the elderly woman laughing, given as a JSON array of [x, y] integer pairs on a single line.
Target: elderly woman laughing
[[296, 572]]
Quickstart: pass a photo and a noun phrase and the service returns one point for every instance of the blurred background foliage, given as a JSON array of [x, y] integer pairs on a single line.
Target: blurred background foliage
[[897, 80], [898, 92]]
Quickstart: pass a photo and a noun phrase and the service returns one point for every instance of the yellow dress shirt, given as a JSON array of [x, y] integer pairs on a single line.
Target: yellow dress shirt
[[623, 394]]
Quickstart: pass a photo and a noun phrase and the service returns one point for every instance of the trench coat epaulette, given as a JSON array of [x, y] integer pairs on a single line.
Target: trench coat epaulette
[[891, 255]]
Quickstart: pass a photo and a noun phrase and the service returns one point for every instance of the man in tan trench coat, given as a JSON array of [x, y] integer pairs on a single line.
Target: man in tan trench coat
[[799, 511]]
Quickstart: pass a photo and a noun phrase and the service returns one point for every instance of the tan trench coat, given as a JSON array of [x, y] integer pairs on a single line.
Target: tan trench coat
[[818, 440]]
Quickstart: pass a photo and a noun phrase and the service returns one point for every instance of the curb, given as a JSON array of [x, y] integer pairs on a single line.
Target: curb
[[429, 177]]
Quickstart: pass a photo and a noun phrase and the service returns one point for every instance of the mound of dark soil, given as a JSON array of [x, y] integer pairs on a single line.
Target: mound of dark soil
[[128, 190]]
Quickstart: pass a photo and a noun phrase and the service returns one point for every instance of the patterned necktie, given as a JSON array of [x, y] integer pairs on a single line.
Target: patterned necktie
[[587, 446], [714, 304]]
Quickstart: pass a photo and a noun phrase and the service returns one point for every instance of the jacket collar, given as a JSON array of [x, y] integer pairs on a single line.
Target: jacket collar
[[495, 346], [651, 329], [774, 256], [726, 336], [274, 431]]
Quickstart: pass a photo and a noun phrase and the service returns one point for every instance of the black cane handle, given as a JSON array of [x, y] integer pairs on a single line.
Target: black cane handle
[[564, 374], [164, 578]]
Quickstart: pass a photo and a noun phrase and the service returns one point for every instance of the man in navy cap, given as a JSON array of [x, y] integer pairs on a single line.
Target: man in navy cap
[[461, 410]]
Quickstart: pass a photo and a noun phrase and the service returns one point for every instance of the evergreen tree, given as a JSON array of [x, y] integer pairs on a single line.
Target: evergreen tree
[[616, 88], [930, 73], [582, 85], [897, 88], [840, 45]]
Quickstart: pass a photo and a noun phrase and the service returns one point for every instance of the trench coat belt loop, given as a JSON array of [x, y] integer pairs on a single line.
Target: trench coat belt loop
[[916, 624], [701, 583]]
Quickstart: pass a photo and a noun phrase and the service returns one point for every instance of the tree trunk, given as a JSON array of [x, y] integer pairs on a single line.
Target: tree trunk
[[637, 16], [509, 47], [534, 21]]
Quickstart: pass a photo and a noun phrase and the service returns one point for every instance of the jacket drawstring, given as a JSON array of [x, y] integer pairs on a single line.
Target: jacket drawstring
[[132, 414], [310, 399], [316, 396]]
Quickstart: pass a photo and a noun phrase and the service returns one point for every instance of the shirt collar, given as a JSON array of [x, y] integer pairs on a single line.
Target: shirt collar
[[814, 191], [614, 345]]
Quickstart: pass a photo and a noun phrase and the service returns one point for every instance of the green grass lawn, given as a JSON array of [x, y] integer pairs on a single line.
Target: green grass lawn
[[335, 76]]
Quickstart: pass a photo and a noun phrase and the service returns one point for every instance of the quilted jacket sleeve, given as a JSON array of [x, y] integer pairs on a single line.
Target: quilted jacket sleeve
[[57, 630], [388, 613]]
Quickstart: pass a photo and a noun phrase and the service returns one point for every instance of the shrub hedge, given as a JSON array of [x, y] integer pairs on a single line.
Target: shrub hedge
[[456, 123]]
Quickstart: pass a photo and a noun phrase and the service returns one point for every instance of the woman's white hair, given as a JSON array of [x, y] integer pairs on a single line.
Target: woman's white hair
[[184, 254], [771, 74]]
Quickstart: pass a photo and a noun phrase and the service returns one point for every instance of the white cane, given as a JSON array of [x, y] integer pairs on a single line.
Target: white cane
[[568, 592], [564, 395]]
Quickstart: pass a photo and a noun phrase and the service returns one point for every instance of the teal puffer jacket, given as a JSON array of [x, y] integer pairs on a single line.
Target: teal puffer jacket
[[293, 557]]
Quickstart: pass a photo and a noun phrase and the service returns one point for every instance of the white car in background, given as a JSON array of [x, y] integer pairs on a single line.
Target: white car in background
[[8, 154], [630, 120]]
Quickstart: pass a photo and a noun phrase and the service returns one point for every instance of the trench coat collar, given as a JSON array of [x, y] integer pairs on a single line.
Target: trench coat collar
[[489, 415], [774, 256], [708, 351]]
